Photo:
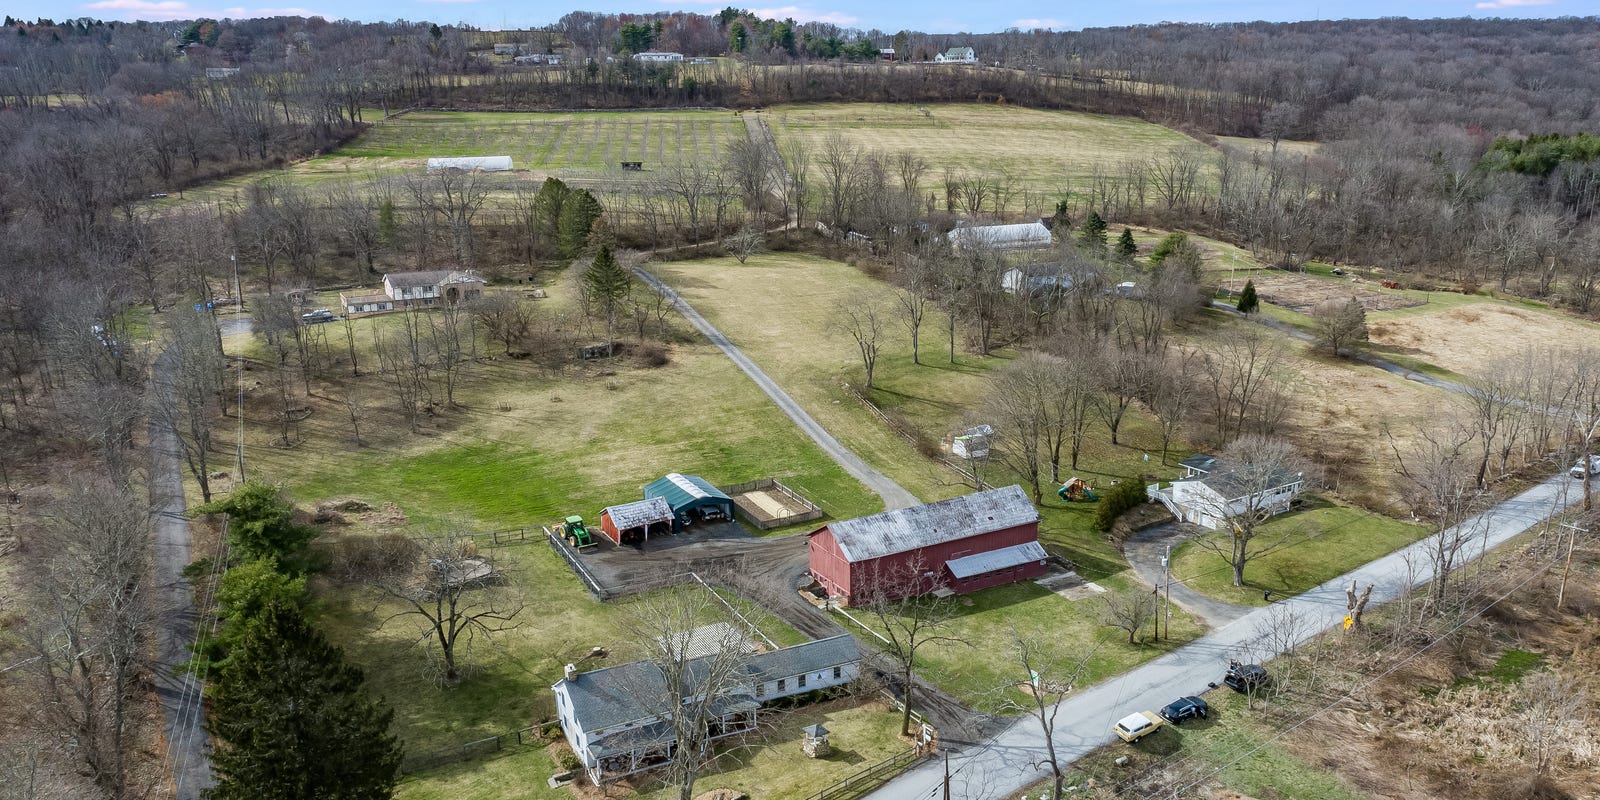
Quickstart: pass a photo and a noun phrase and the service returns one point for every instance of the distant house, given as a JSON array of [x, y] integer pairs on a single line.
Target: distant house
[[507, 49], [471, 163], [886, 53], [428, 287], [361, 304], [957, 55], [953, 546], [220, 73], [1036, 280], [1215, 490], [614, 723], [1026, 235], [658, 56]]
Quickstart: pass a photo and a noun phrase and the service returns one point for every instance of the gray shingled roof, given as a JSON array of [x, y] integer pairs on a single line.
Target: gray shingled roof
[[432, 277], [903, 529], [979, 563], [640, 513], [609, 697], [1203, 462]]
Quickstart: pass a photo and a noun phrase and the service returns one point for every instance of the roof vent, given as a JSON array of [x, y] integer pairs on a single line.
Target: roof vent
[[572, 672]]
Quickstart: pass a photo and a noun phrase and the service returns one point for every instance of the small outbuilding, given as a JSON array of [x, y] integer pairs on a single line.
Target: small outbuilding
[[633, 523], [692, 499]]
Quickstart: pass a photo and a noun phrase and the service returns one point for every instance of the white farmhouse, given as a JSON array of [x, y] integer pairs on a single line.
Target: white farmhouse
[[957, 55], [658, 56], [607, 720], [430, 286], [1215, 491]]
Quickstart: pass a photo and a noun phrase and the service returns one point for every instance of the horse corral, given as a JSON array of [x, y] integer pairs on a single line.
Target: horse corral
[[768, 504]]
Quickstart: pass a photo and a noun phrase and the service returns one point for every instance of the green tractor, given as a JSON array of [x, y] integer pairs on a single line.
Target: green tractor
[[575, 533]]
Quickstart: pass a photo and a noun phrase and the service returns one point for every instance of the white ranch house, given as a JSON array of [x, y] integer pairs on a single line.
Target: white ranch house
[[607, 720], [1214, 491], [957, 55], [659, 57]]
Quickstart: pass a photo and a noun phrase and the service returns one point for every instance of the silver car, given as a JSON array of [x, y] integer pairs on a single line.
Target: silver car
[[1594, 467]]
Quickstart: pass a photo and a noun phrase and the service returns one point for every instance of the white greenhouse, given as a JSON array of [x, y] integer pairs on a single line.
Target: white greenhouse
[[479, 163]]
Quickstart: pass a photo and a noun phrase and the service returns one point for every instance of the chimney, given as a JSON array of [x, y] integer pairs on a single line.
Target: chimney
[[572, 672]]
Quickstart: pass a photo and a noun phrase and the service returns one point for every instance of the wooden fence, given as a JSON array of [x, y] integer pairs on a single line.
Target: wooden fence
[[870, 778], [563, 549], [473, 749]]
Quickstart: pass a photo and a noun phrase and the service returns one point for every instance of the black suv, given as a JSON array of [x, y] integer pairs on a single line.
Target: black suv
[[1245, 677], [1185, 708]]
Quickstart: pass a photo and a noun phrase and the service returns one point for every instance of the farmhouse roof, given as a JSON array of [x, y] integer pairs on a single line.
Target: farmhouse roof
[[612, 696], [1005, 557], [1233, 481], [432, 277], [359, 299], [1022, 234], [1199, 462], [679, 489], [903, 529], [640, 513], [959, 52]]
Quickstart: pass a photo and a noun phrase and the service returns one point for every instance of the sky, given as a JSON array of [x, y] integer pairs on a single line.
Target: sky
[[933, 16]]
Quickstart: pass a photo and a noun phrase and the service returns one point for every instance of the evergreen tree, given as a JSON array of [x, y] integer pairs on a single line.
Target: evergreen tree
[[608, 285], [388, 224], [738, 38], [243, 596], [1248, 302], [579, 210], [1171, 243], [547, 212], [294, 722], [1126, 248], [1092, 234], [261, 525]]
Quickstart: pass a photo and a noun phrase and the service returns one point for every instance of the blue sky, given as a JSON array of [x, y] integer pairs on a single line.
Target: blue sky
[[936, 16]]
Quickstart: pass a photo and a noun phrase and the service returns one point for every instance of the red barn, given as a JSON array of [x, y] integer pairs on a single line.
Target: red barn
[[632, 523], [958, 545]]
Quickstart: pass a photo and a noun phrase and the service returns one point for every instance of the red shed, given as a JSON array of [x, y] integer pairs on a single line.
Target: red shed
[[959, 545], [632, 523]]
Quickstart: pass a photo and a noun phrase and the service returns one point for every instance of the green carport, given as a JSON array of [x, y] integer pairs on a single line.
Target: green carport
[[692, 499]]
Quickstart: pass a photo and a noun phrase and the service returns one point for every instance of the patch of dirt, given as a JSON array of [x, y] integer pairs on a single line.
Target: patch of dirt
[[1301, 293], [1463, 338]]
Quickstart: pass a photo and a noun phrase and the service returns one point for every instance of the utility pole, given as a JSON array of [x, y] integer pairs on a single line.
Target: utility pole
[[947, 775], [1166, 587], [1572, 540]]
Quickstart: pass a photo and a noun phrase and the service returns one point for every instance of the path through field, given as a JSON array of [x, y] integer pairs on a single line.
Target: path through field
[[778, 175], [894, 495], [178, 691], [1015, 758]]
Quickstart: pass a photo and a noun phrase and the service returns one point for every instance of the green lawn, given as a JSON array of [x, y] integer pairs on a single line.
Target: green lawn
[[981, 668], [1233, 747], [1320, 541]]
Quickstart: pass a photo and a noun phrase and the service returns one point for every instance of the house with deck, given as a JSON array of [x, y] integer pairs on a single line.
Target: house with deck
[[1215, 490], [613, 718]]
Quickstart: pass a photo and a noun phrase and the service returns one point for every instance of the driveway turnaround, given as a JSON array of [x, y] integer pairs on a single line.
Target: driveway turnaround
[[894, 495], [1015, 758], [1144, 551]]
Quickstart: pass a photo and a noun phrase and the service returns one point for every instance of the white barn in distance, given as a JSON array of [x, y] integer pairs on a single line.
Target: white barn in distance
[[471, 163]]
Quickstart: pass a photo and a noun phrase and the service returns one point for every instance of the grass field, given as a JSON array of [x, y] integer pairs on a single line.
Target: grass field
[[1321, 541], [1043, 151], [981, 667], [526, 448], [790, 335]]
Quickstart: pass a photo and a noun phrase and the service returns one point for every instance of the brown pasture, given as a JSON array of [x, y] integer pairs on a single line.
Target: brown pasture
[[1463, 338]]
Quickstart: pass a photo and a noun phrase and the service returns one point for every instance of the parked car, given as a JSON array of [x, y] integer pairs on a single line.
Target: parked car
[[320, 315], [1185, 708], [1134, 727], [1245, 677], [1594, 467]]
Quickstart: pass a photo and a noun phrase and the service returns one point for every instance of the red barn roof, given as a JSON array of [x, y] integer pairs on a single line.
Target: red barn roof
[[905, 529]]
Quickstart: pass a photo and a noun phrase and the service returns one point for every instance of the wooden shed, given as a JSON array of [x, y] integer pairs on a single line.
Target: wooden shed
[[958, 545], [634, 523]]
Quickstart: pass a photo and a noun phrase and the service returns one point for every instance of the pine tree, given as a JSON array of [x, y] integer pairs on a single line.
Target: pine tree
[[547, 213], [261, 525], [578, 212], [293, 721], [1092, 234], [608, 285], [1126, 248], [1248, 302], [388, 225]]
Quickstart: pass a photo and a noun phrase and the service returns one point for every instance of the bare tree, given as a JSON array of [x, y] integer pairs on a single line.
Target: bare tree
[[692, 679], [1128, 610], [1124, 376], [1174, 393], [89, 628], [1019, 407], [194, 368], [1049, 679], [744, 243], [915, 286], [863, 318], [454, 593], [1438, 474], [506, 318], [1256, 477], [1242, 372], [1338, 326], [907, 622], [1551, 712], [456, 196]]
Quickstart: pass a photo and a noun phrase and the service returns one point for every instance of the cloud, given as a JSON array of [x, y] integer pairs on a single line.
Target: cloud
[[804, 15], [178, 9], [1494, 4], [1047, 23]]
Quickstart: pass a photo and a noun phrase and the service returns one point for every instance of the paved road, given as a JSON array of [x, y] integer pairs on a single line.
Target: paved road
[[1014, 759], [178, 691], [1144, 550], [894, 495]]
